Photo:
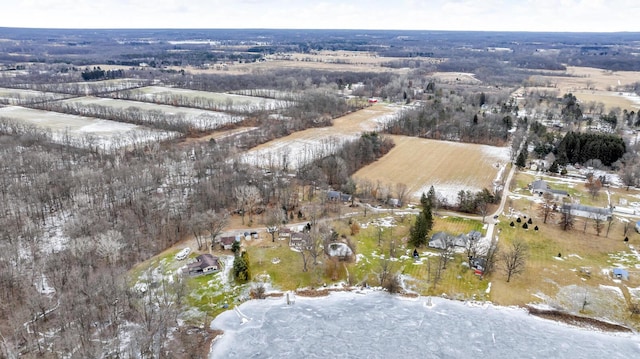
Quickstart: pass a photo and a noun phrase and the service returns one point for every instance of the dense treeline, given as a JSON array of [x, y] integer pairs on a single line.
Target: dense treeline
[[581, 147], [99, 74], [335, 170], [135, 115]]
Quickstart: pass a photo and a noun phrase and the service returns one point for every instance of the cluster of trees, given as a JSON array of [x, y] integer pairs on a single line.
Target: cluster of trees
[[478, 202], [336, 169], [581, 147], [578, 147], [76, 220], [99, 74], [457, 116]]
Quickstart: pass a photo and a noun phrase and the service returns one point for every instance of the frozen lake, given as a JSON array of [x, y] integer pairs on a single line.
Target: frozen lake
[[377, 325]]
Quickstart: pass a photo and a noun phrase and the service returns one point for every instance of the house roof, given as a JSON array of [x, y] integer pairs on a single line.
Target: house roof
[[439, 240], [335, 195], [299, 238], [590, 209], [475, 235], [227, 240], [461, 240], [203, 261], [620, 271], [558, 191], [539, 184]]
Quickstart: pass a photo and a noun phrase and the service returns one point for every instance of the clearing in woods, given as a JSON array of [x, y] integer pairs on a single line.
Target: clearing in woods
[[448, 166]]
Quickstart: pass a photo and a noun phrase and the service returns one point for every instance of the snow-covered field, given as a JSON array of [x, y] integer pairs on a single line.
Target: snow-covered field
[[377, 325], [85, 131], [224, 100], [200, 119], [300, 148], [18, 96], [89, 87]]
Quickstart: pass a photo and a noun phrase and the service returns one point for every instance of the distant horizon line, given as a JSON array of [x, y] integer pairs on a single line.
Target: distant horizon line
[[301, 29]]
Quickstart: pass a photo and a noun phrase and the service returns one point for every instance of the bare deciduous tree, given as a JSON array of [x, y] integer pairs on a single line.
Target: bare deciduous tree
[[567, 221], [401, 192], [275, 218], [491, 257], [594, 185], [514, 259], [247, 197], [546, 208]]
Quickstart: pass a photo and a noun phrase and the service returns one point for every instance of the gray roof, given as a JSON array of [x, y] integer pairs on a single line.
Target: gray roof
[[539, 184], [580, 207]]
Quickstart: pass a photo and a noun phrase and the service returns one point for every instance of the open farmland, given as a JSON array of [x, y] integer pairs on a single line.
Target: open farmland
[[592, 84], [200, 119], [19, 96], [214, 100], [340, 60], [302, 147], [448, 166], [82, 131]]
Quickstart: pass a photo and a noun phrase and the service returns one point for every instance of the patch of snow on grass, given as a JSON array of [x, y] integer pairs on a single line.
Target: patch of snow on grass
[[612, 288]]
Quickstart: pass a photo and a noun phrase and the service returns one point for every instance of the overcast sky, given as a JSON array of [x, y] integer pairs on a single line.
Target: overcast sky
[[500, 15]]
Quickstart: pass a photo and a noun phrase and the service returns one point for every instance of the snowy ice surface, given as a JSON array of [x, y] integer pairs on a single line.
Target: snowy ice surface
[[377, 325]]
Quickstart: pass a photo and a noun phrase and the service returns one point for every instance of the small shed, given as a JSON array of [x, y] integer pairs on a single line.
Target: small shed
[[620, 273], [227, 242], [284, 233], [638, 226], [299, 240]]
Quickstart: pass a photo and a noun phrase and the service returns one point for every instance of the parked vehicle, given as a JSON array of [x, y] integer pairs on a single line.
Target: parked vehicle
[[183, 253]]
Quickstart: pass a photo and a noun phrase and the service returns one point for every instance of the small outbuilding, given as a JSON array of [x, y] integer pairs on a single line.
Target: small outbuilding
[[227, 242], [620, 273], [299, 240]]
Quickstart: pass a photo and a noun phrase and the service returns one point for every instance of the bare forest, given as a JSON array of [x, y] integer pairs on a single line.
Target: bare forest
[[79, 210]]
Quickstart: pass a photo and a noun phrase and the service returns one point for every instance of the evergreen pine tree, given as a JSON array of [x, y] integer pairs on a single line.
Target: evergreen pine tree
[[418, 233], [432, 196], [522, 160]]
